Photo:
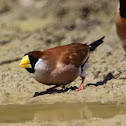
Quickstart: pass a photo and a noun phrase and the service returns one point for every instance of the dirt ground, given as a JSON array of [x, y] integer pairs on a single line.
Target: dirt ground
[[27, 25]]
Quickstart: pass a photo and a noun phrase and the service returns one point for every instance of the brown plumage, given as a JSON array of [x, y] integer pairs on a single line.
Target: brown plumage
[[120, 20], [60, 65], [74, 54]]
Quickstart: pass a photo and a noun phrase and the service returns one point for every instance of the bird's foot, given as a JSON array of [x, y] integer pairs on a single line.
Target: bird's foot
[[81, 87]]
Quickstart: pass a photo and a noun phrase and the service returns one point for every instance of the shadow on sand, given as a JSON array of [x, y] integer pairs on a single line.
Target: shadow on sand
[[107, 78], [55, 91]]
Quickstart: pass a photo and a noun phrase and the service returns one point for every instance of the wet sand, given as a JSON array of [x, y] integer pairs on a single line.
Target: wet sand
[[38, 25], [59, 111]]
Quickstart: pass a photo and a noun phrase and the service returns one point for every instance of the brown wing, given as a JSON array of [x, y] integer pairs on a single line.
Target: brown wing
[[75, 54]]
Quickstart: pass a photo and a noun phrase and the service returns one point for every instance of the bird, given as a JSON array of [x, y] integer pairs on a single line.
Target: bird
[[120, 21], [60, 65]]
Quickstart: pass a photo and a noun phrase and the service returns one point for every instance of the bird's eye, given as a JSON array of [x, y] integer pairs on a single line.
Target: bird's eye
[[33, 60]]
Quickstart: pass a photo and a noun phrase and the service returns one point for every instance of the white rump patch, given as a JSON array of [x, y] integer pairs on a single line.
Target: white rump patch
[[85, 67]]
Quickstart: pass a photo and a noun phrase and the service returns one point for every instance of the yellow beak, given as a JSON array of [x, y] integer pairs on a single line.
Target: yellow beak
[[25, 62]]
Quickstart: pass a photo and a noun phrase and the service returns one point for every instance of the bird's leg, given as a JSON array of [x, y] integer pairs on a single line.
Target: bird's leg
[[81, 85], [50, 89], [125, 48]]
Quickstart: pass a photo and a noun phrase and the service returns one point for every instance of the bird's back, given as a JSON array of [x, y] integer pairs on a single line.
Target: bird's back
[[75, 54]]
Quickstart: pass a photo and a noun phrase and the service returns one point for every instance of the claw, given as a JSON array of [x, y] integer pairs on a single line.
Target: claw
[[81, 87]]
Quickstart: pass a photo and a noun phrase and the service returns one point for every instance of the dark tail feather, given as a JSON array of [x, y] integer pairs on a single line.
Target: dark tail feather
[[96, 43]]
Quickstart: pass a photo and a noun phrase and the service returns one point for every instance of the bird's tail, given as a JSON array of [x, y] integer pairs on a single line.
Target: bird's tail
[[96, 44], [122, 8]]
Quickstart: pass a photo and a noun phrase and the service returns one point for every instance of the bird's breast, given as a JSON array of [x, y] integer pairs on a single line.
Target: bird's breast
[[61, 74]]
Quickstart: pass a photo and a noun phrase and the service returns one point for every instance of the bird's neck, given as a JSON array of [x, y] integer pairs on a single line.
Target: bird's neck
[[122, 8]]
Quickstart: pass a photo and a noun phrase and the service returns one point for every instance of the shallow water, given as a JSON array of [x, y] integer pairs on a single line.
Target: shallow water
[[59, 111]]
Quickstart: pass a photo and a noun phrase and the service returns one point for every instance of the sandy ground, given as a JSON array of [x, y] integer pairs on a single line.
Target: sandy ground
[[38, 25]]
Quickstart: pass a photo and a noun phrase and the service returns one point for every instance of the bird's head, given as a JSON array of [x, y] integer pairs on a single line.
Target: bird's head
[[29, 60]]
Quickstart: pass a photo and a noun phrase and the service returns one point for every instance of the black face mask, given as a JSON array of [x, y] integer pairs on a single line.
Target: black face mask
[[33, 61]]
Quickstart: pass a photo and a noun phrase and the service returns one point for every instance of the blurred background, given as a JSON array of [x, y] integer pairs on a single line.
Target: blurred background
[[27, 25]]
